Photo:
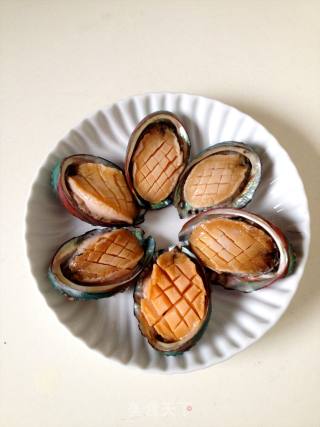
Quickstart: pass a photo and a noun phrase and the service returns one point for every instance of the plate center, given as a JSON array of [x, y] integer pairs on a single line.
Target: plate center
[[164, 225]]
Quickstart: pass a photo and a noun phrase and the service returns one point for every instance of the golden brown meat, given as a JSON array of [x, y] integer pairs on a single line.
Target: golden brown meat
[[215, 179], [106, 257], [157, 164], [174, 302], [227, 245], [102, 192]]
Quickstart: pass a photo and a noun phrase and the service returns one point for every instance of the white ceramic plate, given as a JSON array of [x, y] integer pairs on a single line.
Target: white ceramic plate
[[237, 319]]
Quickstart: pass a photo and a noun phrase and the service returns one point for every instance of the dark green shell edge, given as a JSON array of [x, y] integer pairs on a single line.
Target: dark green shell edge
[[77, 295], [55, 173]]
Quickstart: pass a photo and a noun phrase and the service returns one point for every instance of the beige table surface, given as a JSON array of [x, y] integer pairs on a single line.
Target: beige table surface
[[61, 60]]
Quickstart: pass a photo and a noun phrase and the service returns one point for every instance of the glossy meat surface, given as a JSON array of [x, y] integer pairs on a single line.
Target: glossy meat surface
[[109, 257], [102, 192], [157, 164], [227, 245], [215, 179], [174, 302]]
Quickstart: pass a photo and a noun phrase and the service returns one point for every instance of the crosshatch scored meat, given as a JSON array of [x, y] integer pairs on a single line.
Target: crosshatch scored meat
[[157, 164], [233, 246], [174, 302], [102, 192], [106, 258], [215, 179]]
